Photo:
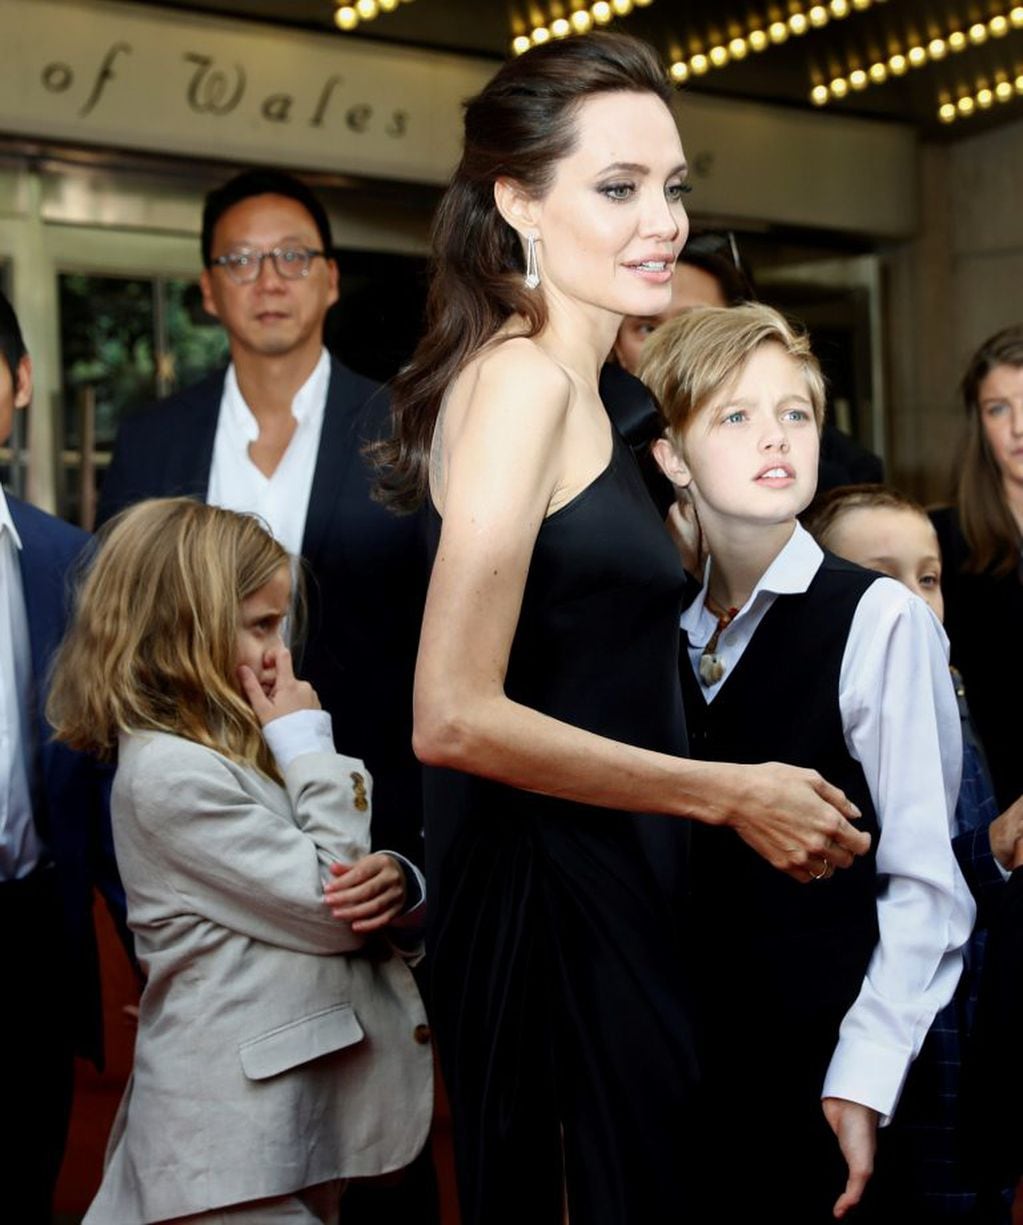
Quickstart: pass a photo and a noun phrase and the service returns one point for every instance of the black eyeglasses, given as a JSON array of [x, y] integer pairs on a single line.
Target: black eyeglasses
[[244, 266]]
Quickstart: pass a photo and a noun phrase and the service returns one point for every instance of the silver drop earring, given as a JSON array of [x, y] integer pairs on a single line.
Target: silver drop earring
[[532, 278]]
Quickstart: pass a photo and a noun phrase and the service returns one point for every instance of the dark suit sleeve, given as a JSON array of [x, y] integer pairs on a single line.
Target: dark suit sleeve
[[94, 780], [72, 808], [164, 450]]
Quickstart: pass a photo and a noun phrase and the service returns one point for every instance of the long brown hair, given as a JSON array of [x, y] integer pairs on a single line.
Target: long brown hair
[[153, 643], [519, 127], [988, 525]]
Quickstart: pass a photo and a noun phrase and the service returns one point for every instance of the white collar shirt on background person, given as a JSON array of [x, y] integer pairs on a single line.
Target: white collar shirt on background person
[[901, 723], [20, 847], [281, 499]]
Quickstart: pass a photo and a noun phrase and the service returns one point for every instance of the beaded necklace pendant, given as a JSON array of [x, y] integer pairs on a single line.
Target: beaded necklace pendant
[[712, 666]]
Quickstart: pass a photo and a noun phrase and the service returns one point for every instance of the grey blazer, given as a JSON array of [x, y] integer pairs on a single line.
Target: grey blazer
[[271, 1055]]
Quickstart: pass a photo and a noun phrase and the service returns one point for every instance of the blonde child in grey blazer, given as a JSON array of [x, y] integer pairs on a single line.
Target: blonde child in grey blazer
[[282, 1046]]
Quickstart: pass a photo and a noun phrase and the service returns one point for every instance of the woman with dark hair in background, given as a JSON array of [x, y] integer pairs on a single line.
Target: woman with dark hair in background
[[981, 540], [547, 680]]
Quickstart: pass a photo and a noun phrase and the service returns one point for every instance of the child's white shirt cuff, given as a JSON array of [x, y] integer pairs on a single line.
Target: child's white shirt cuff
[[303, 731]]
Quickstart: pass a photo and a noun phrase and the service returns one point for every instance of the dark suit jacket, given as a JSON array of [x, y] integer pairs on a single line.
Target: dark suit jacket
[[72, 790], [366, 571]]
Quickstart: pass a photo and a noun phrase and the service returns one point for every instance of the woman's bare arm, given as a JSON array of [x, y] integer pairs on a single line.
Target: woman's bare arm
[[510, 455]]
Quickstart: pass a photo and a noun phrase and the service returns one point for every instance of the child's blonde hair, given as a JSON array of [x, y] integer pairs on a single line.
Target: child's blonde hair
[[823, 516], [689, 358], [153, 643]]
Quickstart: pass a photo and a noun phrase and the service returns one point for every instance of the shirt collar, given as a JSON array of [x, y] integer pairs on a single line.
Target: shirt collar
[[790, 573], [6, 522], [308, 404]]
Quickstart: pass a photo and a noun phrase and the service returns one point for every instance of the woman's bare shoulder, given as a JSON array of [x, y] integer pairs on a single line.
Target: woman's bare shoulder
[[507, 411], [518, 364]]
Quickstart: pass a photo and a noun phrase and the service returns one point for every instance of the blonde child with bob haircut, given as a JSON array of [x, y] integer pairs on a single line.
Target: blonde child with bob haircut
[[275, 1058], [819, 994]]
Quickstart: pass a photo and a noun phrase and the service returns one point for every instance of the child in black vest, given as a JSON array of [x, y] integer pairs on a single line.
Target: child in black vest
[[935, 1181], [815, 995]]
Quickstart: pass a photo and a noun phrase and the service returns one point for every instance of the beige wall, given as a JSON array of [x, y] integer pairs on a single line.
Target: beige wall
[[950, 288]]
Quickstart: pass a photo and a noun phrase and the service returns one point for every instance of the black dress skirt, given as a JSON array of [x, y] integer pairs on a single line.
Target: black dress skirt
[[556, 981]]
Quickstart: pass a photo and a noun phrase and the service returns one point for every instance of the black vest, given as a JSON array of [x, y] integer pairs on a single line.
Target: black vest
[[800, 951]]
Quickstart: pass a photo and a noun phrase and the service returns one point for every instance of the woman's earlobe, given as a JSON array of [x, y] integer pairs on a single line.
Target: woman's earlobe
[[515, 206]]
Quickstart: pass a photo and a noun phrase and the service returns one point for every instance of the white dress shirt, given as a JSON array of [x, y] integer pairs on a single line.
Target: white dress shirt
[[282, 498], [20, 846], [901, 724]]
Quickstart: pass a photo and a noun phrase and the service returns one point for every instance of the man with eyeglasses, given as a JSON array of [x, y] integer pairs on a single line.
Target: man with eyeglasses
[[281, 434]]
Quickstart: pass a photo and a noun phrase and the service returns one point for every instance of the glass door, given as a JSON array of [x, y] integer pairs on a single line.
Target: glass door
[[125, 342]]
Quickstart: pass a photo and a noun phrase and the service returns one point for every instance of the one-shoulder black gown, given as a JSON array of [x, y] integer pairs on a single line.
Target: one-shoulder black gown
[[556, 981]]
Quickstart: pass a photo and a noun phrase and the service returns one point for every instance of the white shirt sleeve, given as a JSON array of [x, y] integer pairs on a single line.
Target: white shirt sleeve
[[901, 724], [303, 731]]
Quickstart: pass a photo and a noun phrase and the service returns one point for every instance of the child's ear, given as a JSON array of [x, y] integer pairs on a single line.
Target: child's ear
[[672, 464]]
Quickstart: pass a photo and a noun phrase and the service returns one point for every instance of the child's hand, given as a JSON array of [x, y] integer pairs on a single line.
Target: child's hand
[[369, 894], [280, 692], [855, 1127]]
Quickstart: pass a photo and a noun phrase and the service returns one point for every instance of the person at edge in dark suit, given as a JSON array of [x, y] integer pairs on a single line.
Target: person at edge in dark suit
[[281, 433], [55, 843]]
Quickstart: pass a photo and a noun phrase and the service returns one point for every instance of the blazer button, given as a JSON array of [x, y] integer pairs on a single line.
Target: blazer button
[[421, 1034], [359, 788]]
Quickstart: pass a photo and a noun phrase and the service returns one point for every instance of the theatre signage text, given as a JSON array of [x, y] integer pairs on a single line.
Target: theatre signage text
[[106, 73]]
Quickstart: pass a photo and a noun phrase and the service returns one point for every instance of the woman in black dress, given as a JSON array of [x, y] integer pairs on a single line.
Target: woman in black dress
[[547, 689], [982, 547]]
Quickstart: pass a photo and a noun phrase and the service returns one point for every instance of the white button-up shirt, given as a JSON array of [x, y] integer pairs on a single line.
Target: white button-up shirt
[[282, 498], [901, 723], [20, 846]]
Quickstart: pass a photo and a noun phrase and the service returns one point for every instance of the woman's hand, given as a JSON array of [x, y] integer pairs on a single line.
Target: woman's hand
[[855, 1127], [369, 894], [792, 817], [282, 693]]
